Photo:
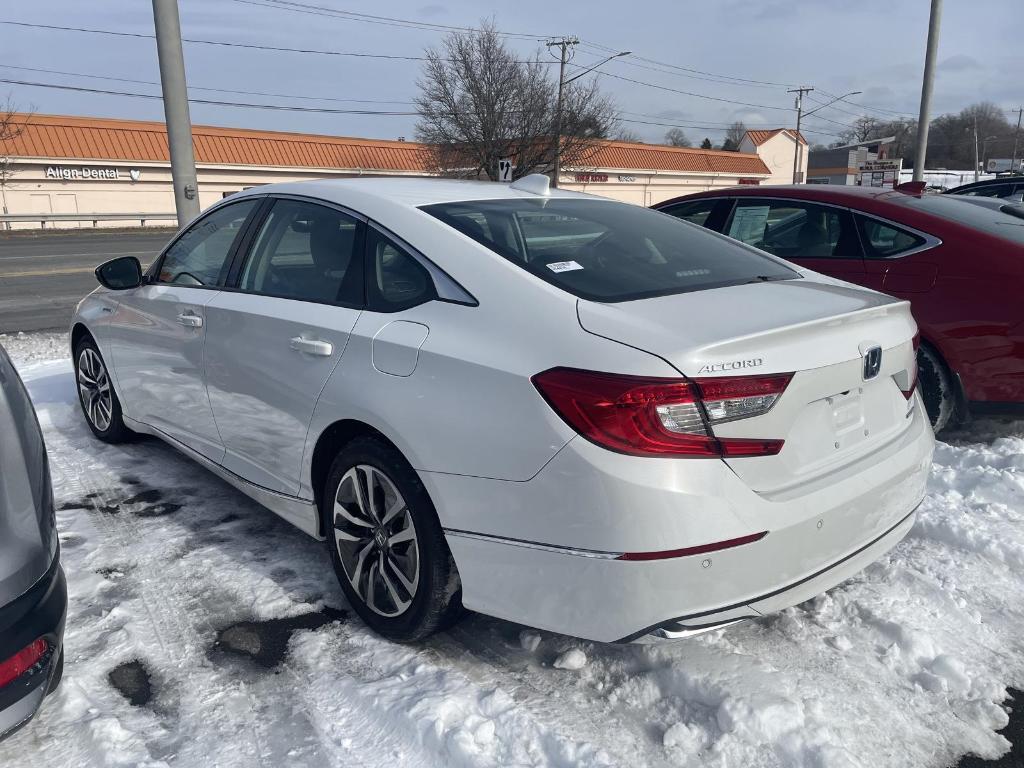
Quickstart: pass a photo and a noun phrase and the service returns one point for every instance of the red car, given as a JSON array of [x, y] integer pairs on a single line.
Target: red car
[[960, 265]]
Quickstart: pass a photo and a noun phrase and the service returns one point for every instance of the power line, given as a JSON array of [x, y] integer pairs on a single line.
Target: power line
[[691, 70], [688, 93], [204, 88], [230, 44], [871, 109], [320, 10], [212, 102]]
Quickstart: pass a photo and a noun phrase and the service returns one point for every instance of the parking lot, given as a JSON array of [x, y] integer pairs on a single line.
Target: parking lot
[[204, 630], [44, 275]]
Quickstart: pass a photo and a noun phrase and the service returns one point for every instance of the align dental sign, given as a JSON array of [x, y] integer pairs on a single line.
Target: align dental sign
[[60, 172]]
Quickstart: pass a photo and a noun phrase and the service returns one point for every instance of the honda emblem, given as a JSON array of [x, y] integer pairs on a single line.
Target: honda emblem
[[872, 362]]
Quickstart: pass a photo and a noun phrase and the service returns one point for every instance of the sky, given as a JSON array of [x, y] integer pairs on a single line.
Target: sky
[[835, 46]]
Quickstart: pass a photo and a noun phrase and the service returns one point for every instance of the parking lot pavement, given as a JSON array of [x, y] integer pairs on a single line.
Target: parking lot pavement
[[203, 630], [43, 276]]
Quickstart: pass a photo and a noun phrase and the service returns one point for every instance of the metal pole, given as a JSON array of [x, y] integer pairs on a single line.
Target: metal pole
[[1016, 134], [799, 114], [179, 125], [976, 148], [563, 45], [921, 151]]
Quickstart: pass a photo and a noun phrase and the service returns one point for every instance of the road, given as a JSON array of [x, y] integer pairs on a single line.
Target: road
[[42, 277]]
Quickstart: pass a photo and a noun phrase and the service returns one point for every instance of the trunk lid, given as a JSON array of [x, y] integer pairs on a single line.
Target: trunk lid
[[831, 416]]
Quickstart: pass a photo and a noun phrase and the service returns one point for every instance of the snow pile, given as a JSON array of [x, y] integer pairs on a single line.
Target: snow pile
[[574, 659], [27, 348], [906, 664]]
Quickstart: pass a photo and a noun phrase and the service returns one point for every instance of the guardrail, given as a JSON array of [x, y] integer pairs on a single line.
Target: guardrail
[[95, 218]]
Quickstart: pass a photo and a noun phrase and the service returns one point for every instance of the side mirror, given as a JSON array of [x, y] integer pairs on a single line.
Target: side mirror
[[120, 274]]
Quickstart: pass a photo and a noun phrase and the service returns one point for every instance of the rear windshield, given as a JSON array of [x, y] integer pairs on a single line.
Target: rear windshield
[[989, 220], [608, 251]]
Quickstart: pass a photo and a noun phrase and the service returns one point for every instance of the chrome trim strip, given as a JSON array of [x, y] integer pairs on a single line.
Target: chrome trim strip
[[664, 632], [592, 553]]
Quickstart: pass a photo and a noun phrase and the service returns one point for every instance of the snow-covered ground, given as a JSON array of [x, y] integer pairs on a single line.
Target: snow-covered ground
[[214, 617]]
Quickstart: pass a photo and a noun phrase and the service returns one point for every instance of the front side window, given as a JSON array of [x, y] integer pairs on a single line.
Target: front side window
[[605, 250], [395, 279], [884, 240], [199, 257], [306, 251], [794, 229]]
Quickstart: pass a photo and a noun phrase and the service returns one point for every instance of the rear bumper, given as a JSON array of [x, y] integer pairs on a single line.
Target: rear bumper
[[588, 504], [40, 612]]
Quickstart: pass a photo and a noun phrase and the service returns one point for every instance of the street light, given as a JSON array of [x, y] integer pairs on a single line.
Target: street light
[[564, 44], [799, 114]]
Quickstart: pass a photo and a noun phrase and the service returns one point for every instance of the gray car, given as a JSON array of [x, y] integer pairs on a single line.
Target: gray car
[[33, 592]]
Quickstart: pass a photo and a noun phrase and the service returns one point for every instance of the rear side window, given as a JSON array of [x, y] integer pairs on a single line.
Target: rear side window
[[395, 279], [695, 211], [883, 240], [199, 257], [607, 251]]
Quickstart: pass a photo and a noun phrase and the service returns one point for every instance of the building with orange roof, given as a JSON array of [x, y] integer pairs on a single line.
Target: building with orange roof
[[777, 147], [80, 166]]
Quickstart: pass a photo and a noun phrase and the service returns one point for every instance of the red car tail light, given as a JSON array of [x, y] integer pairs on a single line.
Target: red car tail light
[[21, 662], [659, 416]]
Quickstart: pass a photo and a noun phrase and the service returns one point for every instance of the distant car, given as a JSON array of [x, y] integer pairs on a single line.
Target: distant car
[[996, 204], [554, 408], [1007, 187], [33, 593], [961, 265]]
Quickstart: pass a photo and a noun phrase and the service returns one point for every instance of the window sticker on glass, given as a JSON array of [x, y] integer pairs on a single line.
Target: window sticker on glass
[[564, 266], [748, 223]]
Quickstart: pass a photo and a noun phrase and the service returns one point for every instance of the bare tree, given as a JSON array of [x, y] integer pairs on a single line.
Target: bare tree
[[863, 128], [625, 134], [480, 101], [733, 136], [675, 137], [12, 125]]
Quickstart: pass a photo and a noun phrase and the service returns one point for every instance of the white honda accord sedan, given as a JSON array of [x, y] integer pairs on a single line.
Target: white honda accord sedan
[[564, 411]]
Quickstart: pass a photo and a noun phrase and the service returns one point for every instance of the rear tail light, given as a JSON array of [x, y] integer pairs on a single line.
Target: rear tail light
[[21, 662], [658, 416]]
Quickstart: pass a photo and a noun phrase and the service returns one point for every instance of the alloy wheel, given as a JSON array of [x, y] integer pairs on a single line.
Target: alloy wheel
[[376, 540], [94, 388]]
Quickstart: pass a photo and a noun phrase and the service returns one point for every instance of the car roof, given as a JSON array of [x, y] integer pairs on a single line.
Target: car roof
[[411, 192], [826, 193], [997, 182]]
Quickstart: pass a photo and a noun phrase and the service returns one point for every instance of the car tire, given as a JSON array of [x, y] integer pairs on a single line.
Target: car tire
[[936, 385], [96, 394], [387, 546]]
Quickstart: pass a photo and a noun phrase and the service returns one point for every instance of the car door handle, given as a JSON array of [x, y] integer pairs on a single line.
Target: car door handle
[[312, 346], [190, 320]]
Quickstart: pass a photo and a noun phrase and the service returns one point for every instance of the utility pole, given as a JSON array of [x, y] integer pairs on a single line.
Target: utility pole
[[921, 151], [179, 124], [564, 44], [1016, 134], [975, 147], [797, 176]]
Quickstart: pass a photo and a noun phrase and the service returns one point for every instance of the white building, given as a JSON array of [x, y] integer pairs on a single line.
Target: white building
[[777, 148]]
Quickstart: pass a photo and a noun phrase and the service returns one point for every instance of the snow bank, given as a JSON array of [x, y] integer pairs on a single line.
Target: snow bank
[[906, 664]]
